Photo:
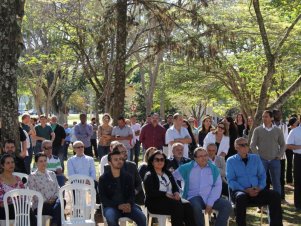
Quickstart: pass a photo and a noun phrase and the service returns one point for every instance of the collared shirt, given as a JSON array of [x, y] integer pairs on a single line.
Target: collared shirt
[[135, 128], [294, 137], [53, 163], [123, 132], [171, 134], [152, 136], [45, 183], [268, 128], [83, 132], [201, 184], [241, 176], [83, 165], [68, 134], [94, 135]]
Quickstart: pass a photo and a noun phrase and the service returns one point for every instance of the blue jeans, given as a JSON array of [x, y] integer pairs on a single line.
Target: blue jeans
[[223, 207], [274, 168], [113, 214], [102, 151]]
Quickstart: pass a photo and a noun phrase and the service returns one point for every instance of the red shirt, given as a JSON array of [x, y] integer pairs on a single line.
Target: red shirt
[[151, 136]]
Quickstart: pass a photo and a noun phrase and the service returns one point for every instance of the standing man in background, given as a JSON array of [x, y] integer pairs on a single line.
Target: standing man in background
[[59, 142], [83, 132], [43, 132], [136, 127], [268, 142], [28, 127], [94, 136]]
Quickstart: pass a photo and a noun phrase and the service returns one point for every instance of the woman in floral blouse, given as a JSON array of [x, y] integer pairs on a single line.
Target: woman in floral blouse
[[10, 182], [45, 182]]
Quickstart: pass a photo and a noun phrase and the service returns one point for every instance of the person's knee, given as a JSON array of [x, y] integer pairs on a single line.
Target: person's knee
[[241, 199]]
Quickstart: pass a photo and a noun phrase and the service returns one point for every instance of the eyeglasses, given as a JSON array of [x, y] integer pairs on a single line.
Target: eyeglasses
[[48, 148], [159, 159], [243, 145], [221, 127], [78, 147]]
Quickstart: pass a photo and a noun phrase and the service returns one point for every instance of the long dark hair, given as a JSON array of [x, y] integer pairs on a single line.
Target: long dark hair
[[203, 129], [151, 160], [233, 131], [190, 132], [4, 157], [242, 116]]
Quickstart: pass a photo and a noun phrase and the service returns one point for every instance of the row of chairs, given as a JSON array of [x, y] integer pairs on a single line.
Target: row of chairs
[[82, 196]]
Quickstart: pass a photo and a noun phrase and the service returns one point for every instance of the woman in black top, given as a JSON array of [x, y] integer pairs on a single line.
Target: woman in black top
[[206, 128], [193, 144], [240, 123], [233, 134], [162, 193]]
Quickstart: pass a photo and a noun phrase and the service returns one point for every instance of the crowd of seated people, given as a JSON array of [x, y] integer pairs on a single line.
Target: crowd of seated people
[[186, 188]]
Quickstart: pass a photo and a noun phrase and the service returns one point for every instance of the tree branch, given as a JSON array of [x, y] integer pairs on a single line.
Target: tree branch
[[286, 35], [287, 93]]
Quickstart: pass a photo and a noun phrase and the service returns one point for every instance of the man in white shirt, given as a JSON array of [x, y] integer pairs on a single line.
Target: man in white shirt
[[177, 134], [136, 127], [81, 163], [294, 143]]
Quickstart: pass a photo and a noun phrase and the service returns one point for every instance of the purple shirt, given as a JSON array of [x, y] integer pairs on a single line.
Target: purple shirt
[[201, 184], [83, 132]]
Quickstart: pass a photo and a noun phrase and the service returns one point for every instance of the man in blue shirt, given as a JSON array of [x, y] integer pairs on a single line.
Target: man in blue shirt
[[202, 188], [247, 180]]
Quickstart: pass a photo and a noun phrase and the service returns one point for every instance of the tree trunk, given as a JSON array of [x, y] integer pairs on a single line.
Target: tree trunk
[[11, 13], [120, 74]]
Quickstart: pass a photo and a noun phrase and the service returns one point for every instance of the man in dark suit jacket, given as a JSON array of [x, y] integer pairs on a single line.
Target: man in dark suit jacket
[[177, 159], [130, 168], [117, 192]]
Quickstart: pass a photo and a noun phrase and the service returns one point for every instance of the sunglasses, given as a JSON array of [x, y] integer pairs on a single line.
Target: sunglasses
[[243, 145], [79, 147], [159, 159], [221, 127], [48, 148]]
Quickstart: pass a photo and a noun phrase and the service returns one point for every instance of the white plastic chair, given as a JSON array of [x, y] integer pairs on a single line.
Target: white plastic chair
[[21, 175], [21, 200], [81, 179], [82, 206], [161, 219]]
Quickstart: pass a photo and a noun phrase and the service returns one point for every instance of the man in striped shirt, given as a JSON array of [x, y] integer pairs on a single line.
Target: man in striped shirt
[[53, 162]]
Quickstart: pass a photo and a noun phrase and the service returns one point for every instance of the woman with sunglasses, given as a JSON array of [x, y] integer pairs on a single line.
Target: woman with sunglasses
[[162, 193], [219, 137]]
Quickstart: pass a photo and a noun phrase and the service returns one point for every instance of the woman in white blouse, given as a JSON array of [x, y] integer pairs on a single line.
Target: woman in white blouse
[[45, 182], [220, 138]]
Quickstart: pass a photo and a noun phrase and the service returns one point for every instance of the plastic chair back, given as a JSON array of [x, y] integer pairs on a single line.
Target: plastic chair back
[[21, 200], [82, 201]]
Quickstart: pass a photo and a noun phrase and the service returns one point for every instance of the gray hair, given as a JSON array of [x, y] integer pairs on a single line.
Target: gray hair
[[46, 142], [239, 139]]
